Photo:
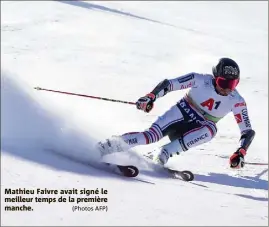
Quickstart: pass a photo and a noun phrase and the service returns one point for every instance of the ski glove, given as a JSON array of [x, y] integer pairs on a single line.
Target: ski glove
[[237, 159], [146, 103]]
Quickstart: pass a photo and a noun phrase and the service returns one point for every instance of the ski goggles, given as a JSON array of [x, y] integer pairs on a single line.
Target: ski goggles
[[227, 83]]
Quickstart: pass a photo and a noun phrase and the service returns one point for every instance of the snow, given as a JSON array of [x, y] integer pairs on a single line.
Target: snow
[[121, 50]]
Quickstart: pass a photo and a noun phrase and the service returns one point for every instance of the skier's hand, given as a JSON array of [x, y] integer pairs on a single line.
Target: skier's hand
[[146, 103], [237, 160]]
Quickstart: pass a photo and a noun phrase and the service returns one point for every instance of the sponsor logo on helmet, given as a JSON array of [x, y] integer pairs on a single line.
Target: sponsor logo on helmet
[[229, 70]]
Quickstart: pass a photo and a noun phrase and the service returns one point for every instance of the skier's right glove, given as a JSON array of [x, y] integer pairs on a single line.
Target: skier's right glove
[[237, 160], [146, 103]]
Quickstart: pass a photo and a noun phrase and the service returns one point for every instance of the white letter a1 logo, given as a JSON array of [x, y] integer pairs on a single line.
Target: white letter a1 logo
[[238, 118]]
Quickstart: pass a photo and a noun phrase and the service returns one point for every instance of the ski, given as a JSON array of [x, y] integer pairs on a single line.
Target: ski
[[124, 170], [184, 175]]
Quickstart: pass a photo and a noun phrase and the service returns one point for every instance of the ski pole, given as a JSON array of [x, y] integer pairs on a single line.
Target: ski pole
[[82, 95]]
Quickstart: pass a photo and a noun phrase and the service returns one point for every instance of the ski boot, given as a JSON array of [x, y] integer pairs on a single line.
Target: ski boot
[[165, 152]]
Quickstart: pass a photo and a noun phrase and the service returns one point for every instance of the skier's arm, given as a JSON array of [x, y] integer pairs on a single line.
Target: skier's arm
[[240, 112], [145, 103], [247, 133], [179, 83]]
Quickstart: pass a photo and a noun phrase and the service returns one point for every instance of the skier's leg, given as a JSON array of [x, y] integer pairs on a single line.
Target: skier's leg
[[157, 131], [192, 138]]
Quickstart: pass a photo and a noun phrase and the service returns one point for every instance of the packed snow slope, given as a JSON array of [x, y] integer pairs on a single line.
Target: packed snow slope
[[122, 50]]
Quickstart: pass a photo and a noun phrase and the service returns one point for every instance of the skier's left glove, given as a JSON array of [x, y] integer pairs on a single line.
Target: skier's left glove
[[237, 160]]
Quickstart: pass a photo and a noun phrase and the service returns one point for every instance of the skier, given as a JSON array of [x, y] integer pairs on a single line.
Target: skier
[[192, 120]]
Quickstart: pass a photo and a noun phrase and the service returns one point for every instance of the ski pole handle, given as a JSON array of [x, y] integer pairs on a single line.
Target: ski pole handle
[[83, 95]]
